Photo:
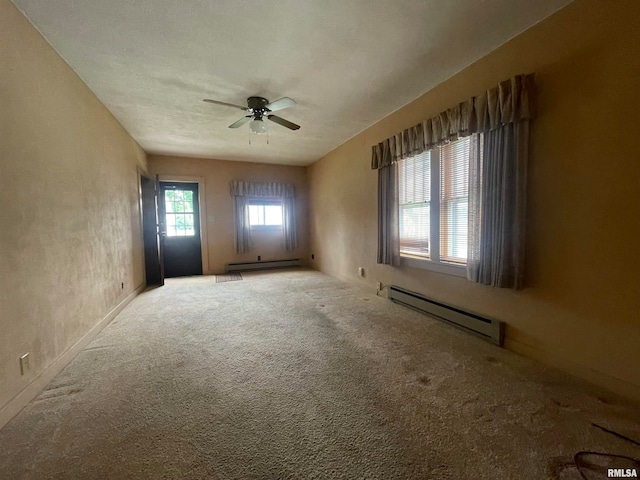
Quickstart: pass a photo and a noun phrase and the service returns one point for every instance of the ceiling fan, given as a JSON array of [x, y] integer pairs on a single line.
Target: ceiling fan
[[259, 108]]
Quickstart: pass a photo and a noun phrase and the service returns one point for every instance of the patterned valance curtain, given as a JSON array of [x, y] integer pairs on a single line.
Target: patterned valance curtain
[[497, 181], [248, 189], [243, 191], [510, 102]]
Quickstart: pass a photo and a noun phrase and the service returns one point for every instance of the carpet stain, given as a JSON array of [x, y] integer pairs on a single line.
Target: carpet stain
[[562, 469], [442, 472], [56, 385], [58, 392], [493, 360], [605, 400], [99, 347], [471, 400], [562, 405]]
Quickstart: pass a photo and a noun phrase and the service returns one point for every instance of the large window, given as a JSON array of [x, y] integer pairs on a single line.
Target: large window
[[434, 203], [265, 214]]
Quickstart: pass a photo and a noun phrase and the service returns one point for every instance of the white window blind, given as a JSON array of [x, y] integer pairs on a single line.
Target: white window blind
[[433, 197], [415, 204], [454, 200]]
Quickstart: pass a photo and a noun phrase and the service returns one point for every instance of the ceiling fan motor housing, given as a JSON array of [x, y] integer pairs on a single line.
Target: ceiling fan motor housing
[[258, 105]]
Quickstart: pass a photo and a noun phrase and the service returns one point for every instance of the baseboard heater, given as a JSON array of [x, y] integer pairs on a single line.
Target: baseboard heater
[[262, 265], [492, 330]]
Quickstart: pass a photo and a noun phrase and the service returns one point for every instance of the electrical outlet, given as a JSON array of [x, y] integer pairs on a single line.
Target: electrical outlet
[[313, 257], [259, 257], [122, 285], [378, 286], [24, 364], [361, 271]]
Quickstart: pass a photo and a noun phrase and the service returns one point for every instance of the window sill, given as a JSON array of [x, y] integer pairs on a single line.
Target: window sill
[[446, 268], [266, 227]]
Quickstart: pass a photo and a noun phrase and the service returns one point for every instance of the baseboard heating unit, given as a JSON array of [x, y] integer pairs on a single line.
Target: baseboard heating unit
[[262, 265], [492, 330]]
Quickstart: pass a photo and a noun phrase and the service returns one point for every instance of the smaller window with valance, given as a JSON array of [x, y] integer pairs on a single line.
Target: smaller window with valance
[[263, 206]]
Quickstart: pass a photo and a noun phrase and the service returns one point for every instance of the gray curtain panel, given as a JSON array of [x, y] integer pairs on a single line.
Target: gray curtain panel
[[242, 224], [497, 204], [290, 238], [388, 229]]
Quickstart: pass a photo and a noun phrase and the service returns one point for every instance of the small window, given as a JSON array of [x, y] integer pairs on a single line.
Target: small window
[[265, 215]]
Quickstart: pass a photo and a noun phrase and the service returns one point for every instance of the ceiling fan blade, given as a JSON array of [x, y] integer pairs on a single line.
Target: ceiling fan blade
[[283, 122], [225, 104], [281, 104], [241, 122]]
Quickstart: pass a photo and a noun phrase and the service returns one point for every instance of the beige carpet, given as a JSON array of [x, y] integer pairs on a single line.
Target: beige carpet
[[295, 375]]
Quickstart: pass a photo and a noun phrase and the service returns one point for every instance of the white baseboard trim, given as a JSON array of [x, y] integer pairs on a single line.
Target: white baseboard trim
[[28, 393]]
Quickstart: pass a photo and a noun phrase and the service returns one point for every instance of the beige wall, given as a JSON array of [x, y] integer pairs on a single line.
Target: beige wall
[[219, 206], [580, 309], [69, 221]]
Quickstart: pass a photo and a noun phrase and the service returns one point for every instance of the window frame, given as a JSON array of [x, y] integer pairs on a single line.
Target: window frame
[[263, 203], [433, 262]]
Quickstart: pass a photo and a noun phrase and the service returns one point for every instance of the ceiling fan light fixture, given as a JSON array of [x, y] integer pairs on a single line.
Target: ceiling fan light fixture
[[258, 126]]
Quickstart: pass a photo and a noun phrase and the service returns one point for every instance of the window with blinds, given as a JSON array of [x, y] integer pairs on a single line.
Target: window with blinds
[[433, 197], [414, 191], [454, 200]]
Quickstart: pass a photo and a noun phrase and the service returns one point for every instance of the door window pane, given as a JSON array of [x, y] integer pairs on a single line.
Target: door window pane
[[179, 212]]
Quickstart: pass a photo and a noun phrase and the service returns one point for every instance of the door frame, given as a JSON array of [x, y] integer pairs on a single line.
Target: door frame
[[204, 244]]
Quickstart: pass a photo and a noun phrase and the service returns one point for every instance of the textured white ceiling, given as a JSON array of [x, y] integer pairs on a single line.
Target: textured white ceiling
[[348, 63]]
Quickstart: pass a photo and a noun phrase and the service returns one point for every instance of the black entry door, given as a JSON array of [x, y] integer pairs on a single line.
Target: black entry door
[[152, 258], [180, 223]]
